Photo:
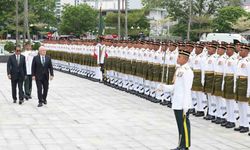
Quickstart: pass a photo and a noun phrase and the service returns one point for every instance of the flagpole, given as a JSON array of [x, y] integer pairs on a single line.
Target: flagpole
[[119, 19]]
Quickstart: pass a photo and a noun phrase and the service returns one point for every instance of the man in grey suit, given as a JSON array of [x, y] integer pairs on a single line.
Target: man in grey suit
[[16, 72]]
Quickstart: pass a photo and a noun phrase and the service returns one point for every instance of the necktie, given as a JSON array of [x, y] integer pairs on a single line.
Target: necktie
[[43, 60], [18, 60]]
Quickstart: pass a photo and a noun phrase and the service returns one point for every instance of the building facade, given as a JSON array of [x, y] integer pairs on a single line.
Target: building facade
[[60, 4], [246, 5]]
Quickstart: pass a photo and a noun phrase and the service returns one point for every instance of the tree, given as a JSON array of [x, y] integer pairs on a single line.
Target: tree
[[136, 18], [226, 16], [78, 19], [177, 9], [39, 12], [242, 24]]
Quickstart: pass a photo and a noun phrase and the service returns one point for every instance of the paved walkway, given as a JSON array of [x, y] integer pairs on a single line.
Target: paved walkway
[[83, 115]]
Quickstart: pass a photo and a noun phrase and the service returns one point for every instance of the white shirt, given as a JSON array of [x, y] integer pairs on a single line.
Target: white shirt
[[29, 55], [182, 99], [243, 69]]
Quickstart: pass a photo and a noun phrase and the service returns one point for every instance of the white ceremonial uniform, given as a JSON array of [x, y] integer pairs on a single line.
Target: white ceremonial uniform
[[171, 60], [220, 101], [147, 58], [209, 67], [182, 98], [230, 69], [243, 70], [197, 65]]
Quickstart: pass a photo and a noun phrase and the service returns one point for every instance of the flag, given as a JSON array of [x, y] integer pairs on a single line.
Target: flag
[[101, 23]]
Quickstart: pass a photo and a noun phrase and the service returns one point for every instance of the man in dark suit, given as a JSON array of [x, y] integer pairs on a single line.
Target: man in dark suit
[[16, 71], [42, 72]]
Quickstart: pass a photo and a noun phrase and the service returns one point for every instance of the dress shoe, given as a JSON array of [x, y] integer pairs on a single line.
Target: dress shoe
[[225, 124], [244, 130], [26, 97], [40, 105], [248, 134], [209, 117], [223, 120], [199, 114], [14, 101], [157, 100], [215, 119], [45, 102], [238, 129], [219, 121], [230, 125], [192, 111], [169, 105], [20, 102], [164, 102], [30, 97]]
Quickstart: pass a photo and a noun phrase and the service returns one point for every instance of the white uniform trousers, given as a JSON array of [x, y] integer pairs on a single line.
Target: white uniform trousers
[[243, 111]]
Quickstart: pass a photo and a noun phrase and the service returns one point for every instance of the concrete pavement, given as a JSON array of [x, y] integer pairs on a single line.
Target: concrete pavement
[[84, 115]]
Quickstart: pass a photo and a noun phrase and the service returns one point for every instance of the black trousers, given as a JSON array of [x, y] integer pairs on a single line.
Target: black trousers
[[42, 89], [14, 83], [183, 124], [28, 85]]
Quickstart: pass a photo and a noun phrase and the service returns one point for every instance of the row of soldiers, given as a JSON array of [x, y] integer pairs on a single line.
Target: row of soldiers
[[221, 73]]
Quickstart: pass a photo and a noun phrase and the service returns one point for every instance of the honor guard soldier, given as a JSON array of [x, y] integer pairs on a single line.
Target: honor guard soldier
[[171, 60], [147, 69], [190, 48], [197, 88], [157, 69], [228, 87], [243, 88], [182, 99], [217, 88], [208, 78]]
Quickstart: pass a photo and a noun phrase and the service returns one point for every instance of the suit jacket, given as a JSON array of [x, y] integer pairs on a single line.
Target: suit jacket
[[16, 71], [39, 71]]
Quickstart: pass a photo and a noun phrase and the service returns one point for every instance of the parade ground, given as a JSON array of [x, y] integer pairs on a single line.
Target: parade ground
[[86, 115]]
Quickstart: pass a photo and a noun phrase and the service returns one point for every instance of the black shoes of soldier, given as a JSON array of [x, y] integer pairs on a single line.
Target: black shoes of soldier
[[14, 101], [242, 129], [248, 134], [199, 114], [209, 117], [192, 111], [220, 121], [230, 125], [164, 102]]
